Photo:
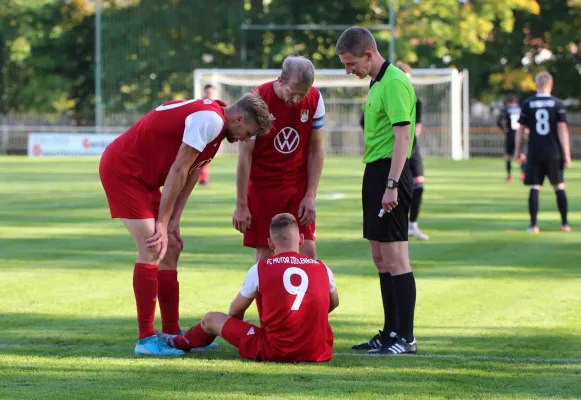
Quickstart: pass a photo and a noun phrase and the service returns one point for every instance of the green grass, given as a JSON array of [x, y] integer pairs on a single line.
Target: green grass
[[498, 311]]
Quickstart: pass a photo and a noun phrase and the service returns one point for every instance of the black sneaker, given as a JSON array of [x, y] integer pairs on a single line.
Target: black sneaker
[[374, 343], [396, 347]]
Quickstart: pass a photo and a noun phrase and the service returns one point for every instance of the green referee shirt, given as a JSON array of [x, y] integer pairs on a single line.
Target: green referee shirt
[[391, 101]]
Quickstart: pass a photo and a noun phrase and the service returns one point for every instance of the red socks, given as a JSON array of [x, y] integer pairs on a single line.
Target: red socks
[[193, 337], [145, 289], [168, 293]]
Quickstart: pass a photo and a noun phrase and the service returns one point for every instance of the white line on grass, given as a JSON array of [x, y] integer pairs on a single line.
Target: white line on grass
[[571, 360]]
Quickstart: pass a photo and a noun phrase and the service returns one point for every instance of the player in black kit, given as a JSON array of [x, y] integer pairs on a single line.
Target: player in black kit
[[416, 163], [508, 122], [548, 147]]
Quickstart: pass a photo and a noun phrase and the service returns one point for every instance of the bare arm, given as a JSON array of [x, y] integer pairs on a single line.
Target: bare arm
[[334, 300], [243, 171], [315, 162], [239, 306], [184, 195], [563, 132], [518, 141], [242, 218], [175, 181], [400, 151], [418, 131]]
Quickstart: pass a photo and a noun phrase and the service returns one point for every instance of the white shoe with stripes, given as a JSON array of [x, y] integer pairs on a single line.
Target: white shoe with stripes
[[396, 347]]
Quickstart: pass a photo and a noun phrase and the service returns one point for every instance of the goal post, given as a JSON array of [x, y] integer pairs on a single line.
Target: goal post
[[442, 92]]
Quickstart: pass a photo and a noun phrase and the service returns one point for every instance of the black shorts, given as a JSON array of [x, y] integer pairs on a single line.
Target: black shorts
[[416, 162], [393, 226], [509, 144], [539, 166]]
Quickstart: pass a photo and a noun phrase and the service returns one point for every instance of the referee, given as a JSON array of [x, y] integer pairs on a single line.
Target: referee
[[390, 113]]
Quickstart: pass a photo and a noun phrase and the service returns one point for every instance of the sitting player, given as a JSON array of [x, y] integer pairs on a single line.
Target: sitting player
[[294, 295]]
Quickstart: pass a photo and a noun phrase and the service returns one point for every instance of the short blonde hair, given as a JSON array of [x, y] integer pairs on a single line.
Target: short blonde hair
[[404, 67], [543, 79], [255, 109], [280, 223]]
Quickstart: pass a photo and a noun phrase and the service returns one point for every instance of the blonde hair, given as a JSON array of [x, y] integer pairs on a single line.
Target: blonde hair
[[280, 223], [255, 109], [543, 79], [404, 67]]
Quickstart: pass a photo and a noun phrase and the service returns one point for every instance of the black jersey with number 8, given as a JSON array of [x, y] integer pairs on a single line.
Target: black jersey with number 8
[[541, 113]]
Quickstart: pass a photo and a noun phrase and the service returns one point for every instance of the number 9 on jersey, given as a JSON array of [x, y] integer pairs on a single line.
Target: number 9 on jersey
[[299, 290]]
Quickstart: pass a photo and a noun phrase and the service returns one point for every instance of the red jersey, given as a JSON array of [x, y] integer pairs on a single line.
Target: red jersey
[[149, 148], [279, 159], [292, 297]]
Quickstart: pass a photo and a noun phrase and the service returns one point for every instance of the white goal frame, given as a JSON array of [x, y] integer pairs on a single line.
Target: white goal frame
[[459, 94]]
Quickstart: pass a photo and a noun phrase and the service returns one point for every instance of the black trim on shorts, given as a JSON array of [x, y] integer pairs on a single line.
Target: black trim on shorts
[[393, 226], [402, 123]]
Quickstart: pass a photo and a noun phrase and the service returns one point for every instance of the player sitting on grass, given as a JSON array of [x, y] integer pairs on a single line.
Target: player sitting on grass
[[294, 295]]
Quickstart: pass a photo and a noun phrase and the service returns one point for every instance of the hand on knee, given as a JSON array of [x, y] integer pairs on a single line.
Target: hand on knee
[[148, 255]]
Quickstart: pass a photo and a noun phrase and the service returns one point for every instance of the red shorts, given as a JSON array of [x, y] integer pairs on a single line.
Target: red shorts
[[263, 206], [128, 197], [247, 338]]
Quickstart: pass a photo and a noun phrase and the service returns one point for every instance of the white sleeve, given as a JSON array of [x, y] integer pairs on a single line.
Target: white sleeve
[[201, 128], [250, 285], [319, 117], [331, 280]]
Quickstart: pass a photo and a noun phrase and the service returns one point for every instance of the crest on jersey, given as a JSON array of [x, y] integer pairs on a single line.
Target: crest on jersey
[[304, 115], [208, 101], [287, 140]]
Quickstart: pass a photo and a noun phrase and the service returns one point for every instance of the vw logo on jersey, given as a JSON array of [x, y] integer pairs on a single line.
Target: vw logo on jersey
[[287, 140]]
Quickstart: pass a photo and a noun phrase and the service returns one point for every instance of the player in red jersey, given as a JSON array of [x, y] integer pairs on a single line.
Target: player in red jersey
[[280, 172], [167, 147], [294, 295]]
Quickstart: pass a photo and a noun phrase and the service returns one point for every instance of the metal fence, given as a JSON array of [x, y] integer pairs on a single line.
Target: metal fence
[[486, 140]]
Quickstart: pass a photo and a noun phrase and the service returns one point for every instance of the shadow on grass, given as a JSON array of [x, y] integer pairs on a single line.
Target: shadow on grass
[[105, 336], [92, 358]]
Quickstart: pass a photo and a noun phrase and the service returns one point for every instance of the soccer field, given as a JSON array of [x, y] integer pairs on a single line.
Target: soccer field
[[498, 310]]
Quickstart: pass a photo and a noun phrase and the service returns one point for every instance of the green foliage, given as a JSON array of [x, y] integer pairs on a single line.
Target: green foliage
[[151, 47]]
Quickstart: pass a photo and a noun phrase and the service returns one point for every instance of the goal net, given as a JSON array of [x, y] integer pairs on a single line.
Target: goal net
[[444, 115]]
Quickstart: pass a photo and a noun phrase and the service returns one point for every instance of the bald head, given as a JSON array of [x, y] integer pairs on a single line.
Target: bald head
[[299, 69], [544, 82]]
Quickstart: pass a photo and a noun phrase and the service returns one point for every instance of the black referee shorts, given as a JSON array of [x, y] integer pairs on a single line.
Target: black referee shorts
[[393, 226]]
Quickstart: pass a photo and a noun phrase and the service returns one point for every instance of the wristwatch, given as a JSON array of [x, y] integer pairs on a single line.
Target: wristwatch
[[391, 183]]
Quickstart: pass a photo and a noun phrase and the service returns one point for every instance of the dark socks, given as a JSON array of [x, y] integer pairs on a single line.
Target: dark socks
[[389, 308], [508, 167], [562, 205], [533, 206], [405, 298]]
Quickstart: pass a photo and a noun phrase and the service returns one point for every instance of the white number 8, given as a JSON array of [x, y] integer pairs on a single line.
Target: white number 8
[[299, 290], [542, 117]]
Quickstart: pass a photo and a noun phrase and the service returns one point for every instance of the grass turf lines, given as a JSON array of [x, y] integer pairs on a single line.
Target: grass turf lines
[[497, 311]]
